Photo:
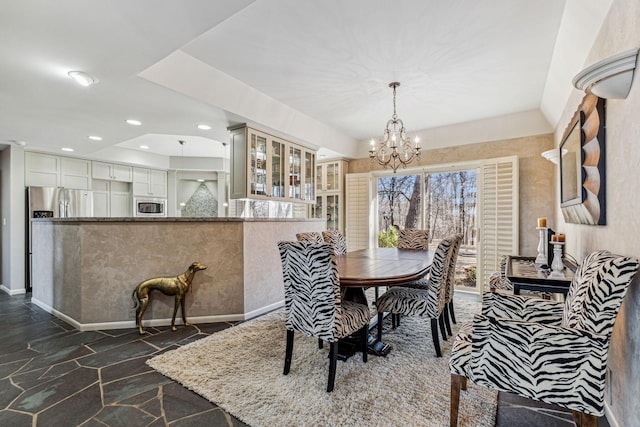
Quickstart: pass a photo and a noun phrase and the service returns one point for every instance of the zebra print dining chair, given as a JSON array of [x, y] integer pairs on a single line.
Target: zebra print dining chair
[[310, 236], [313, 304], [417, 240], [449, 313], [499, 279], [336, 240], [549, 351], [427, 302]]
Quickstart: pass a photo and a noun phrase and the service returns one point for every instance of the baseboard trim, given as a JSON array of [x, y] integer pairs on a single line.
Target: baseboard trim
[[12, 292], [263, 310], [608, 414], [152, 322]]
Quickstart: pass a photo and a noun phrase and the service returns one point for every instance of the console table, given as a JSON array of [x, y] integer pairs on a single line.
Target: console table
[[525, 274]]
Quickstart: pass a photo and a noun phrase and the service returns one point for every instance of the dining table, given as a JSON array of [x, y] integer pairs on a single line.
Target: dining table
[[375, 267]]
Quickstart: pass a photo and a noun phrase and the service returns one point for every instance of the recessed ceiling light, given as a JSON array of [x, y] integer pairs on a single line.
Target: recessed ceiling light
[[200, 180], [67, 149], [95, 137], [82, 78], [144, 147], [204, 127], [134, 122]]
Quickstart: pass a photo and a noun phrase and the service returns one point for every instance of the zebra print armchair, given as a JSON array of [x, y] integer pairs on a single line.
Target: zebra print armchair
[[557, 358], [427, 302], [313, 304]]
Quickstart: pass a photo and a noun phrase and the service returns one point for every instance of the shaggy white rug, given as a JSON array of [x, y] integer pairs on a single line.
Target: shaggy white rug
[[240, 369]]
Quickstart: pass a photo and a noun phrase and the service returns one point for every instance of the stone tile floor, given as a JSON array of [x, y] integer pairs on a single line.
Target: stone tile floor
[[54, 375]]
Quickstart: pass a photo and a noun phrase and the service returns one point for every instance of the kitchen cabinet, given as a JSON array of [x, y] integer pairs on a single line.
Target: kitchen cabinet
[[149, 182], [111, 199], [46, 170], [75, 173], [41, 170], [267, 167], [109, 171], [330, 193]]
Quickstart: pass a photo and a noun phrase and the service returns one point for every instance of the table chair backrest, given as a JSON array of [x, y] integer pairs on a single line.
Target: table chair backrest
[[451, 267], [311, 288], [310, 236], [438, 276], [336, 240], [413, 239]]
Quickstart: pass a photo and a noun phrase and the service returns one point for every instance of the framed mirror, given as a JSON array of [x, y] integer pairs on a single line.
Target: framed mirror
[[582, 164]]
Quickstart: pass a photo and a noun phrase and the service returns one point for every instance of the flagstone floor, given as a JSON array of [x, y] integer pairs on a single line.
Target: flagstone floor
[[54, 375]]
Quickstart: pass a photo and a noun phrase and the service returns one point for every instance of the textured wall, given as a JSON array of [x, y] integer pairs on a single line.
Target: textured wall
[[537, 192], [619, 32]]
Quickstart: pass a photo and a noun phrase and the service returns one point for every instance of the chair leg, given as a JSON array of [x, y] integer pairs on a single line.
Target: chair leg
[[584, 420], [447, 323], [397, 319], [380, 320], [456, 385], [393, 321], [333, 358], [319, 343], [453, 314], [442, 327], [288, 352], [365, 342], [434, 334]]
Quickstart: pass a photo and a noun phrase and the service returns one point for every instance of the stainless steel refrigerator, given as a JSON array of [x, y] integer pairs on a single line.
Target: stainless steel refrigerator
[[53, 202]]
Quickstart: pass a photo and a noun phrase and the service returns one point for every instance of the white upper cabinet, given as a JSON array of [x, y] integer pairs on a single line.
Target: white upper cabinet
[[112, 172], [41, 170], [149, 182], [46, 170], [75, 173]]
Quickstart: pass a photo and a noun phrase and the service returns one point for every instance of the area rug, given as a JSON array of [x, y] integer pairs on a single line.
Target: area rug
[[240, 370]]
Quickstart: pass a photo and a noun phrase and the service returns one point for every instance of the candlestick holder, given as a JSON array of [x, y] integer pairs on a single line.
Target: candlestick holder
[[557, 266], [542, 246]]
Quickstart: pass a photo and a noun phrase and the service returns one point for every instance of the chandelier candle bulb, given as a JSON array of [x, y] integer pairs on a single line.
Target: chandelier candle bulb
[[542, 222]]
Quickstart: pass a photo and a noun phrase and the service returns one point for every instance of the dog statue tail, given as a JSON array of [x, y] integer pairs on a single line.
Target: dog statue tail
[[134, 298]]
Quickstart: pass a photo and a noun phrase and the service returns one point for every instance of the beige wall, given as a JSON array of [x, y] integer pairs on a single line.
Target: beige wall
[[619, 32], [537, 191]]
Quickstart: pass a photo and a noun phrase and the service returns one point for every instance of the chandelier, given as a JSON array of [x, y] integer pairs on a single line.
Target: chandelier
[[395, 148]]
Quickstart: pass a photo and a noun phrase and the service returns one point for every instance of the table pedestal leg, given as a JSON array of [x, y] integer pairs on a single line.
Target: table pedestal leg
[[348, 346]]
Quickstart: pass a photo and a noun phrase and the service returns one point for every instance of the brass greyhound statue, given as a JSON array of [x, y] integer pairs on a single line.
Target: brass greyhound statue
[[177, 285]]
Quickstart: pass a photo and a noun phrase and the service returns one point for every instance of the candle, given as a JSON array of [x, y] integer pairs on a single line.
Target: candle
[[560, 237], [554, 238], [542, 222]]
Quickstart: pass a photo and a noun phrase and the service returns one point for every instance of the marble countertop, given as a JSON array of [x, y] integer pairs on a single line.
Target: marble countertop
[[176, 219]]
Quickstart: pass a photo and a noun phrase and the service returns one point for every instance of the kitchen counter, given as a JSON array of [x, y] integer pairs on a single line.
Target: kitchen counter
[[85, 269]]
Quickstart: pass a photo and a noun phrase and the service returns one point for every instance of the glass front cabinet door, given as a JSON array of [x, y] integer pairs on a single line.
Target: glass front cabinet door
[[330, 193], [267, 167]]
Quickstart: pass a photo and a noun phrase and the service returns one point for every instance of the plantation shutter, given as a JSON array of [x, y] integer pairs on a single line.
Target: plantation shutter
[[358, 199], [498, 215]]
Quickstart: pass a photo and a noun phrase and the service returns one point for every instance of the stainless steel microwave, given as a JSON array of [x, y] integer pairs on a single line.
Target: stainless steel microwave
[[149, 207]]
